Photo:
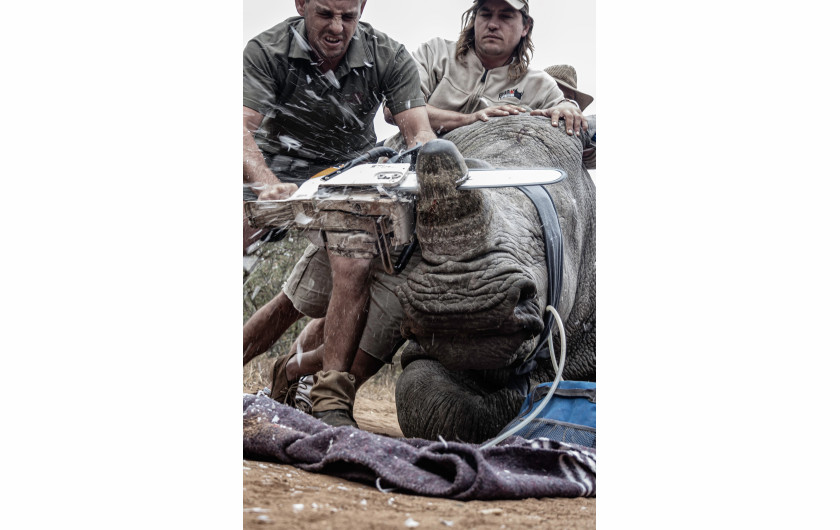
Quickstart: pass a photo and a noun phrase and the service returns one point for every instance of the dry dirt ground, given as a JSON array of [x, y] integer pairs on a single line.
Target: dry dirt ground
[[277, 496]]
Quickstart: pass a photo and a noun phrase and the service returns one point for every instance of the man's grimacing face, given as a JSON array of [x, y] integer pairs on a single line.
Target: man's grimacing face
[[330, 25]]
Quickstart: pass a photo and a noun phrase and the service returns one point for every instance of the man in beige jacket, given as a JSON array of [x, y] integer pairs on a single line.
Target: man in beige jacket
[[486, 72]]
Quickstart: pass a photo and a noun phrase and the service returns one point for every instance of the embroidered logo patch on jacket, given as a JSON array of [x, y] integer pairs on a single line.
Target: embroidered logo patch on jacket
[[511, 93]]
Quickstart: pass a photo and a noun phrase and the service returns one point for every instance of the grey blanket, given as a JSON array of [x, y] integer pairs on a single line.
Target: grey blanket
[[514, 469]]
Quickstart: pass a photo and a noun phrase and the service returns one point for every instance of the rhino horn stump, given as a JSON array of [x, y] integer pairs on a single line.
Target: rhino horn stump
[[449, 221]]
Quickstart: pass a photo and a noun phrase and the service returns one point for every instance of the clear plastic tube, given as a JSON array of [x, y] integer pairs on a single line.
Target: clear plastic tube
[[558, 367]]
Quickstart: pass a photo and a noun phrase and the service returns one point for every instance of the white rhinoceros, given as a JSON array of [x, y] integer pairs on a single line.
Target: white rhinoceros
[[474, 307]]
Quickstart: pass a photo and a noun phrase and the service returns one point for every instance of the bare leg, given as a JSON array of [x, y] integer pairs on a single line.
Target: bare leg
[[305, 363], [267, 325], [333, 390], [364, 367], [346, 315], [311, 337], [309, 346], [342, 330]]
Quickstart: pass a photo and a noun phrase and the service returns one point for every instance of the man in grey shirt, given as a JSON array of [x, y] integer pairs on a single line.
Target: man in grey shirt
[[312, 86]]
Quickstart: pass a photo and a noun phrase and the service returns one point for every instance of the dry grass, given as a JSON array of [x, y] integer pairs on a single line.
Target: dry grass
[[256, 374]]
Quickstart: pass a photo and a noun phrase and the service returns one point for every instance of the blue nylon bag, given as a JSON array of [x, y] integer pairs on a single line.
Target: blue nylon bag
[[568, 417]]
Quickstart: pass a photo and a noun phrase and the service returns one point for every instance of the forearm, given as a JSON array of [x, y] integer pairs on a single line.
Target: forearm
[[414, 126], [443, 121], [255, 172]]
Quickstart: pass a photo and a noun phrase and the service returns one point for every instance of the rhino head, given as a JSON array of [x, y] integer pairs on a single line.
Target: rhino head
[[476, 301], [474, 304]]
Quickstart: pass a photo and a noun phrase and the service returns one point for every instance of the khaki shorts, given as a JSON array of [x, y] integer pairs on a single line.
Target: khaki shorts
[[310, 284], [352, 244]]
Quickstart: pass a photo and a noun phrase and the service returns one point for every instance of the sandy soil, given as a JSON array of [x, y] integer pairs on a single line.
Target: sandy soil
[[283, 497]]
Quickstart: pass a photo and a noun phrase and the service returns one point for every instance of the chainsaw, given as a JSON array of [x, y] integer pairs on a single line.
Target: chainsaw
[[377, 198]]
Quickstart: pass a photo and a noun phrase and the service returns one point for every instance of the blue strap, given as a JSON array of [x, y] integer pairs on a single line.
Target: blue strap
[[553, 237]]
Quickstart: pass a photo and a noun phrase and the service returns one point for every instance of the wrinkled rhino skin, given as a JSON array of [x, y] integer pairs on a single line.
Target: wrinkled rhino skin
[[474, 306]]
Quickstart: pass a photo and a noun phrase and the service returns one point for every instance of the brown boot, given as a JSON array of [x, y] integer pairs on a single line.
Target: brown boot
[[333, 395], [281, 389]]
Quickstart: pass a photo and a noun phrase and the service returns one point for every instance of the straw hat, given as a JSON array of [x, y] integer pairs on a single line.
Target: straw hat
[[566, 78]]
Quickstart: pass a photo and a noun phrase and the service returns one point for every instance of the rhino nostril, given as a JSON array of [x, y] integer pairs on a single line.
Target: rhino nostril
[[527, 293], [527, 311]]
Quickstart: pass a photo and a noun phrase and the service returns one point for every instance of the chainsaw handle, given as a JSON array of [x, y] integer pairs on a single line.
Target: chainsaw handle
[[408, 152], [373, 154], [405, 255]]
